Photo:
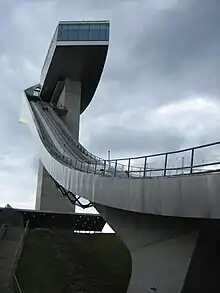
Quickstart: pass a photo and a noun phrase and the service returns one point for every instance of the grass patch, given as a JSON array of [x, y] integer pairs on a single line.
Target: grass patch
[[59, 261]]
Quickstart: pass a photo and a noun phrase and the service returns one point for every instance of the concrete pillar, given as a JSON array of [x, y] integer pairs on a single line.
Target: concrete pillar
[[71, 99], [161, 248], [49, 198]]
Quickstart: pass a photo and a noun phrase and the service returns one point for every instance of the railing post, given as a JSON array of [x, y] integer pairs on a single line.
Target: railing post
[[88, 168], [95, 167], [76, 163], [165, 165], [192, 161], [145, 166], [64, 150], [62, 153], [104, 168], [81, 165], [116, 162], [129, 164]]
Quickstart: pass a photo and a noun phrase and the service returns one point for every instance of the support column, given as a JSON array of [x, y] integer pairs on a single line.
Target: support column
[[161, 248], [71, 99], [49, 198]]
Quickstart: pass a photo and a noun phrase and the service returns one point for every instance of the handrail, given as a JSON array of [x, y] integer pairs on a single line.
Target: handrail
[[77, 144], [168, 153], [17, 284], [3, 230], [18, 255], [72, 162], [113, 168]]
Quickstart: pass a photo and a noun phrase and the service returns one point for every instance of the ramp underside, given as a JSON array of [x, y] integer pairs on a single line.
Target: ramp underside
[[80, 63]]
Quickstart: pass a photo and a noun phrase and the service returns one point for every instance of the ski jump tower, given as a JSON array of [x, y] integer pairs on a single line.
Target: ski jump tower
[[169, 220]]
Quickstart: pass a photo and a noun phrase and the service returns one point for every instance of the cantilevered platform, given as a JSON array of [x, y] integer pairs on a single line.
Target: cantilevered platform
[[78, 51]]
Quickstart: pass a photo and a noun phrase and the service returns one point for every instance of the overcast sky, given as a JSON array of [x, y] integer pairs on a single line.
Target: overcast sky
[[159, 91]]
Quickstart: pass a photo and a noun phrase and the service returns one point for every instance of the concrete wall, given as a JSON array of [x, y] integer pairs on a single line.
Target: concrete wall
[[204, 271], [161, 248], [61, 100], [48, 196], [71, 99]]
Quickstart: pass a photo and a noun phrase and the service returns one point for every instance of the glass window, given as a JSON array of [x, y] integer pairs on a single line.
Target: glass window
[[94, 35], [74, 35], [94, 32], [102, 26], [94, 26], [59, 34], [74, 26], [60, 30], [84, 26], [74, 32], [83, 32], [103, 35], [63, 33]]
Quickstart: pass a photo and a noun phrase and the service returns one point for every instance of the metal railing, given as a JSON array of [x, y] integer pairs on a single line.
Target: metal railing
[[15, 285], [199, 159], [68, 134], [3, 230]]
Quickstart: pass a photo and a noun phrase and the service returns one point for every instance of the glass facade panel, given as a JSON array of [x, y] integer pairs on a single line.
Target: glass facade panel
[[93, 35], [102, 26], [74, 32], [94, 26], [103, 32], [83, 32], [64, 34], [84, 26], [102, 35], [59, 36]]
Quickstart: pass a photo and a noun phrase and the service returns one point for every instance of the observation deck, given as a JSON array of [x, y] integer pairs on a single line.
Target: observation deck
[[78, 51]]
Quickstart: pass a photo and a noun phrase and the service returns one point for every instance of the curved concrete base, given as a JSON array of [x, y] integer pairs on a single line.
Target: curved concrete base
[[194, 196], [161, 248]]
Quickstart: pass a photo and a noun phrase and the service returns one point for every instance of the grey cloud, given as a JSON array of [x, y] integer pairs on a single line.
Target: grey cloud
[[122, 141], [154, 60], [159, 57]]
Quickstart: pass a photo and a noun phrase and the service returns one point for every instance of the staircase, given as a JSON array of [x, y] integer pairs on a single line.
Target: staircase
[[9, 246], [12, 233]]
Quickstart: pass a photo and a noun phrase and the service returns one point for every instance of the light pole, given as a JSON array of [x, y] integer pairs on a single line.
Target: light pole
[[109, 157]]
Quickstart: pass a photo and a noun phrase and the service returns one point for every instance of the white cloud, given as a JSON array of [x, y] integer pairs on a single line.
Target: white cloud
[[192, 116]]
